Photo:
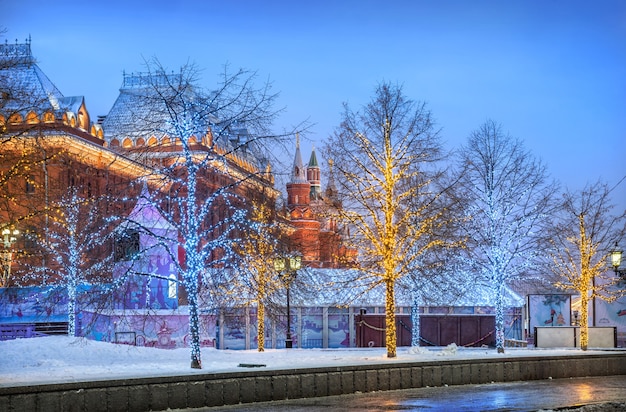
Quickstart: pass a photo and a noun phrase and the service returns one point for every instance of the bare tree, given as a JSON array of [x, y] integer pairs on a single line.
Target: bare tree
[[73, 249], [256, 252], [508, 201], [585, 230], [212, 153], [385, 157]]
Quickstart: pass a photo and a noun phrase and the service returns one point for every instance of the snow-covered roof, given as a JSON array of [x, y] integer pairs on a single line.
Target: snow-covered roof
[[19, 72], [339, 287], [138, 112], [34, 91]]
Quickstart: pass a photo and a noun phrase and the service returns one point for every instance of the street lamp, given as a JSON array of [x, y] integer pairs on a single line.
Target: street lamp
[[287, 268], [9, 237], [616, 261]]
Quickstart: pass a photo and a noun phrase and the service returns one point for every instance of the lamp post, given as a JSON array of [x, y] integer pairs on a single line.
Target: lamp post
[[616, 261], [9, 236], [287, 268]]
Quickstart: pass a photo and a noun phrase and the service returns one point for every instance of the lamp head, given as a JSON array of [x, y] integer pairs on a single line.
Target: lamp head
[[279, 264], [616, 257], [295, 262]]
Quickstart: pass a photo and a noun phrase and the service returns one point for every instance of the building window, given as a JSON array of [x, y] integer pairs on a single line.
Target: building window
[[126, 245], [30, 184]]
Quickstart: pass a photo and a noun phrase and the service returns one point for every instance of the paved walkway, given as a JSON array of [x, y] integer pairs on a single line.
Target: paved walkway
[[515, 396]]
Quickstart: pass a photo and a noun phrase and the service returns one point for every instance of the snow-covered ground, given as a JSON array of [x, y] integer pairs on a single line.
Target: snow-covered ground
[[63, 359]]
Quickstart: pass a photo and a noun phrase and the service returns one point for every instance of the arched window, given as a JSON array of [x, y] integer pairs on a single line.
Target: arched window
[[83, 120], [115, 143], [15, 118], [208, 139], [48, 117], [96, 130], [140, 142], [127, 143], [152, 141], [69, 119], [31, 118]]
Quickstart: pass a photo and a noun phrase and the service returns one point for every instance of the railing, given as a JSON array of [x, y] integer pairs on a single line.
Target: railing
[[9, 331], [16, 331]]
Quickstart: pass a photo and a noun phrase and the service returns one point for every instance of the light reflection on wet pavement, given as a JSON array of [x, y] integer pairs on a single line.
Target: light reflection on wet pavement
[[513, 396]]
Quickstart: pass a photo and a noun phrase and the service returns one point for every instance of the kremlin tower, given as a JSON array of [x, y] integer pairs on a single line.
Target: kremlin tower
[[310, 213]]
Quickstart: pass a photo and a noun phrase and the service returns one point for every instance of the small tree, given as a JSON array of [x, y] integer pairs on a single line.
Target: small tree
[[507, 202], [584, 232], [384, 157], [256, 252], [73, 248]]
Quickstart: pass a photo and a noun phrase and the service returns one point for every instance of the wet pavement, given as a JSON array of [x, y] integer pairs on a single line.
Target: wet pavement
[[556, 394]]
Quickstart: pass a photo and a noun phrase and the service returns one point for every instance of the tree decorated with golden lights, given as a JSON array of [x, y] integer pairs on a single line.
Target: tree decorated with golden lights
[[383, 158], [256, 252], [583, 235]]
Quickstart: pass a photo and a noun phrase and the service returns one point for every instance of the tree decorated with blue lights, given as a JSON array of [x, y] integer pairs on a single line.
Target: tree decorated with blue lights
[[437, 279], [507, 202], [72, 252], [384, 160], [209, 151], [433, 278], [586, 229]]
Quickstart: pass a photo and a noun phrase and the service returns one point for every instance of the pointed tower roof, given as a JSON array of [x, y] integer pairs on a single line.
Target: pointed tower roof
[[313, 159], [298, 173], [313, 176], [331, 188], [145, 214]]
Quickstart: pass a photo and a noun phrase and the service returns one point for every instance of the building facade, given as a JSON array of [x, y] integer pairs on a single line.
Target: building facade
[[311, 212], [51, 143]]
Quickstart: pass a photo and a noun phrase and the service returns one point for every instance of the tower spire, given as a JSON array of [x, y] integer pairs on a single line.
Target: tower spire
[[331, 188], [313, 176], [298, 173]]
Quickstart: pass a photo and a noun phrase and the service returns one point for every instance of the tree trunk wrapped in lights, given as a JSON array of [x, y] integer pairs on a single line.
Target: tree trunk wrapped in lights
[[74, 247], [582, 236], [507, 200], [415, 319], [210, 162], [256, 252], [385, 158]]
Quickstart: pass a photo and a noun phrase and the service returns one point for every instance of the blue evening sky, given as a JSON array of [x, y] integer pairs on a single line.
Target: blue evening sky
[[552, 72]]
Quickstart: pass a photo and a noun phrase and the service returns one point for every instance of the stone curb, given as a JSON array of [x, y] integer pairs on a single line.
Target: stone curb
[[218, 389]]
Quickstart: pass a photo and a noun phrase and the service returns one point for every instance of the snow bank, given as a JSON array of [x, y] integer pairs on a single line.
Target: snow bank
[[63, 359]]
